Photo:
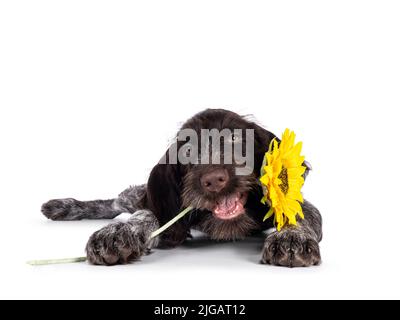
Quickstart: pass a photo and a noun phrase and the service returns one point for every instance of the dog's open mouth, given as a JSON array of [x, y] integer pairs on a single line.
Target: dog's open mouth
[[230, 207]]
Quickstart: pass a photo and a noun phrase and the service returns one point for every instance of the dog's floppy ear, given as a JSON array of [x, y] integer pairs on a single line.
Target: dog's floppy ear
[[164, 200], [308, 169], [262, 140]]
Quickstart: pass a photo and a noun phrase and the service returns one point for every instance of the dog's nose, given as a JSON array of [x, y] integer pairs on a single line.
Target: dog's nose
[[215, 180]]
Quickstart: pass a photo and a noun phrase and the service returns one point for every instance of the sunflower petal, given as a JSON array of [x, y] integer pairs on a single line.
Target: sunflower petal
[[269, 214]]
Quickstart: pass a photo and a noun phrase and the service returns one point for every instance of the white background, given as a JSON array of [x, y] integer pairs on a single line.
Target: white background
[[92, 91]]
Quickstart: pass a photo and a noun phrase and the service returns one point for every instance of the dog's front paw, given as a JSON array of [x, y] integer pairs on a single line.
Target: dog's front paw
[[117, 243], [61, 209], [291, 248]]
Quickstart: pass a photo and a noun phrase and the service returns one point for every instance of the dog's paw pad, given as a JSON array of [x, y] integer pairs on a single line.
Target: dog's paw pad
[[59, 209], [291, 248], [115, 244]]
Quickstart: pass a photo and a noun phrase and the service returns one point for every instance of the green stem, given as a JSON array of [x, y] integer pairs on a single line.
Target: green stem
[[83, 259], [56, 261], [170, 223]]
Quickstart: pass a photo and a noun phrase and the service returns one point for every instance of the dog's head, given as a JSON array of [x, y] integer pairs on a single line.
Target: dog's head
[[225, 162], [213, 166]]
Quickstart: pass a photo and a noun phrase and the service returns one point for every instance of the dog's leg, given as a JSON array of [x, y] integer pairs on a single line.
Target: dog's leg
[[296, 246], [70, 209], [120, 243]]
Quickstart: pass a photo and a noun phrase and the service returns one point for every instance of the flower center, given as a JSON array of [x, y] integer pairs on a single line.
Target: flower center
[[283, 176]]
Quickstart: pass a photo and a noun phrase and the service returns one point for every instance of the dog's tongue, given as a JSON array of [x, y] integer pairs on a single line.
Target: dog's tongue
[[229, 207]]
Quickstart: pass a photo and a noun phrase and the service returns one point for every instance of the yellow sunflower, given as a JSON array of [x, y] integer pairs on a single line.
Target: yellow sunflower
[[282, 179]]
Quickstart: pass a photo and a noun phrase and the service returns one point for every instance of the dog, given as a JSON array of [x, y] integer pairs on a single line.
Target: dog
[[225, 205]]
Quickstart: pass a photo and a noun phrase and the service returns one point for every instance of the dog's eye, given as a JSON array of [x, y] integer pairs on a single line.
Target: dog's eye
[[235, 138], [188, 151]]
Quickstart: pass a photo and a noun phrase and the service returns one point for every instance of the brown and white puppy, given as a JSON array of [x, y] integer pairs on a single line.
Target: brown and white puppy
[[226, 204]]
